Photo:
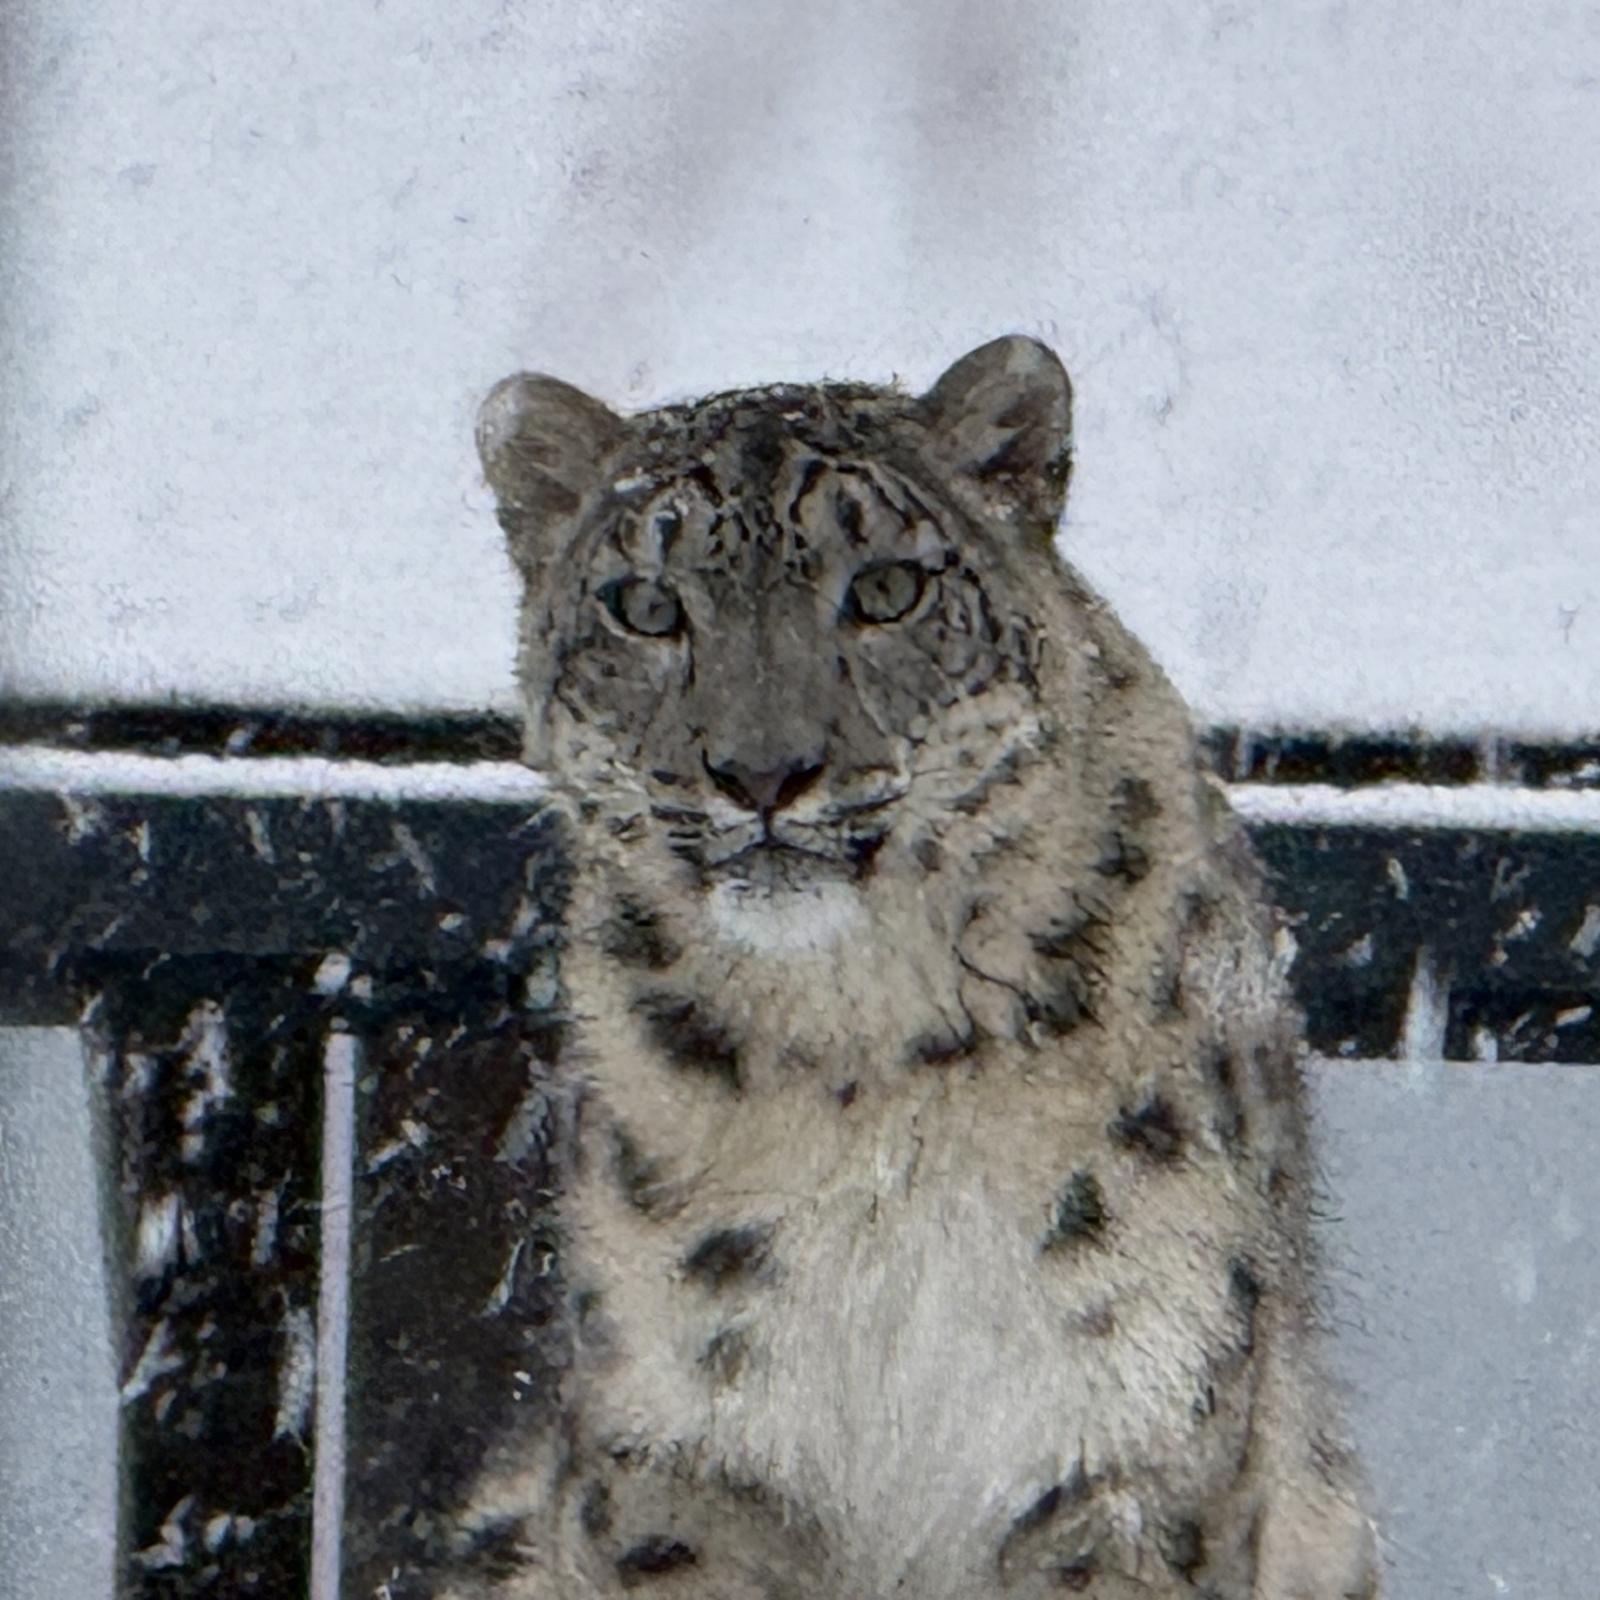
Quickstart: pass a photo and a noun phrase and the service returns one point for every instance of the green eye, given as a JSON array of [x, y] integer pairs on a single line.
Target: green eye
[[645, 606], [886, 592]]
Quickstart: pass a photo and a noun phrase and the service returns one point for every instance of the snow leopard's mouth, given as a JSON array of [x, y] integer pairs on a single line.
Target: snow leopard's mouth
[[771, 861], [777, 849]]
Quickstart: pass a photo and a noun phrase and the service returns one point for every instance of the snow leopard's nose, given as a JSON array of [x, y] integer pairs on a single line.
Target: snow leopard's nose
[[765, 790]]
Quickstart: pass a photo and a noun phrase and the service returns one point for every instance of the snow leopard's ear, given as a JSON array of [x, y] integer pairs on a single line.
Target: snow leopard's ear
[[1001, 420], [542, 444]]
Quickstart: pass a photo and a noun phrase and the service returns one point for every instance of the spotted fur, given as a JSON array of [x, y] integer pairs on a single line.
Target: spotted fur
[[938, 1192]]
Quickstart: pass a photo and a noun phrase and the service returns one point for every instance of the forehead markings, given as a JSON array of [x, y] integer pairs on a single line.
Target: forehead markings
[[752, 463], [762, 453], [854, 485], [702, 477], [812, 474], [635, 537]]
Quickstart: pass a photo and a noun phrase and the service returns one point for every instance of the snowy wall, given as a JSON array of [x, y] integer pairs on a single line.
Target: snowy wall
[[58, 1383], [1324, 275]]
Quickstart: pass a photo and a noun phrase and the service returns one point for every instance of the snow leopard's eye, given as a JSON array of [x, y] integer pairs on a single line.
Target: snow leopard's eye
[[645, 606], [886, 592]]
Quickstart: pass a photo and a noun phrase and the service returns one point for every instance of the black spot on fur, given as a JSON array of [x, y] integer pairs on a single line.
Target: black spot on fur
[[633, 936], [1123, 859], [1152, 1130], [847, 511], [1062, 994], [1098, 1322], [1183, 1548], [1080, 1214], [654, 1558], [846, 1093], [1170, 1001], [1006, 771], [1166, 988], [1245, 1288], [810, 476], [1058, 1007], [1059, 940], [942, 1046], [729, 1254], [1135, 801], [1228, 1121], [499, 1551], [723, 1356], [1199, 917], [1330, 1459], [1024, 653], [638, 1176], [761, 456], [863, 854], [929, 856], [1072, 1491], [690, 1039], [668, 529], [1055, 1520], [1040, 1512], [1133, 807], [1276, 1070], [595, 1511], [1076, 1576]]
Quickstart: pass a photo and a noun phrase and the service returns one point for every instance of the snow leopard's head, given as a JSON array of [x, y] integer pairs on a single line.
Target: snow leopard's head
[[776, 633]]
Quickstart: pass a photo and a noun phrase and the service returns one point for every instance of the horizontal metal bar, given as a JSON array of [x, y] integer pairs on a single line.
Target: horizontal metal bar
[[46, 770], [1342, 757], [1481, 807], [42, 769]]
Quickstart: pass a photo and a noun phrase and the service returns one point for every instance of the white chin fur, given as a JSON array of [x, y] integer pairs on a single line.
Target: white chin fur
[[783, 920]]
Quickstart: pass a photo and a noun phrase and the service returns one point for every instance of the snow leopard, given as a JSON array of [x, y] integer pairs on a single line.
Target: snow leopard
[[935, 1217]]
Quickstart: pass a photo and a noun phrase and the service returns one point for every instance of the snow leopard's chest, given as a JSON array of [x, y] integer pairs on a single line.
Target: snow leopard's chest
[[911, 1320]]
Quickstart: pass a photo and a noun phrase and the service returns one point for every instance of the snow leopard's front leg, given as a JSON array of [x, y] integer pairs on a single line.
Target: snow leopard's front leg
[[1312, 1539]]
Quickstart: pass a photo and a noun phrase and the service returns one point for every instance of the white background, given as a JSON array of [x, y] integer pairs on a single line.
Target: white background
[[1325, 275]]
